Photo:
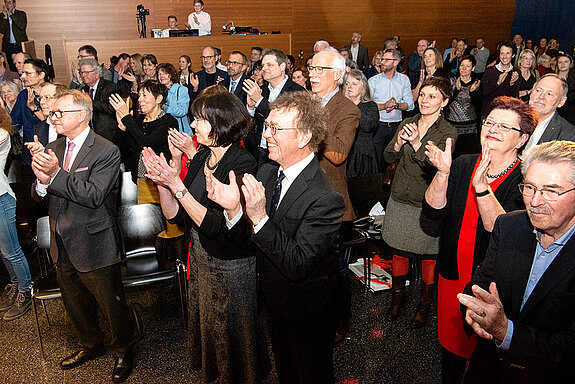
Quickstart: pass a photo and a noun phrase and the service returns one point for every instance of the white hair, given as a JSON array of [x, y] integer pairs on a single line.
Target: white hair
[[338, 62], [320, 42]]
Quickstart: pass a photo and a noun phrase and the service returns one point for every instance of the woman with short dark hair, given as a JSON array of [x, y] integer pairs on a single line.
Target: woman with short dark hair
[[466, 197], [225, 337], [178, 99], [405, 229]]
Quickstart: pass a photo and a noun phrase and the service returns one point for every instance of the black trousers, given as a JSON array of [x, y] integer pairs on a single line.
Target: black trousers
[[82, 293], [305, 358]]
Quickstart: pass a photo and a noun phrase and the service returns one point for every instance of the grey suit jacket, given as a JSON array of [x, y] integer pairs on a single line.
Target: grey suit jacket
[[82, 204], [558, 129]]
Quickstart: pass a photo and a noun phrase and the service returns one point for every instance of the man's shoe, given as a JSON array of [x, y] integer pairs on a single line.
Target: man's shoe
[[9, 296], [21, 305], [123, 367], [80, 357]]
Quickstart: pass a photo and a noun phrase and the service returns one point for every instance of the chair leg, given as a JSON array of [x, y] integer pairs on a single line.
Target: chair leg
[[38, 327], [181, 277], [46, 313]]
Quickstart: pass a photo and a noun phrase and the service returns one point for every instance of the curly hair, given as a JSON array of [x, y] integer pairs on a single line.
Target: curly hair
[[311, 117]]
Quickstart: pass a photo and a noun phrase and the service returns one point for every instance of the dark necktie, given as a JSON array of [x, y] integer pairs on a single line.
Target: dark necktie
[[92, 93], [277, 194]]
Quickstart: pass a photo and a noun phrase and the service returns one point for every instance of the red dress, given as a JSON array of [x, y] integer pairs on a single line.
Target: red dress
[[450, 330]]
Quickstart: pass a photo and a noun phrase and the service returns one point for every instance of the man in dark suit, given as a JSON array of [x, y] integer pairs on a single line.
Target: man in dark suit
[[237, 65], [13, 28], [78, 176], [521, 299], [548, 94], [103, 121], [210, 75], [293, 215], [88, 52], [275, 72], [359, 52]]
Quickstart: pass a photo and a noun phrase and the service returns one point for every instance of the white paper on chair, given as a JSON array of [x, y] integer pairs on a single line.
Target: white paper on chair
[[377, 210]]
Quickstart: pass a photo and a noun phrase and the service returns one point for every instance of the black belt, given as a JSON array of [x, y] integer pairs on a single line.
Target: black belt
[[392, 124]]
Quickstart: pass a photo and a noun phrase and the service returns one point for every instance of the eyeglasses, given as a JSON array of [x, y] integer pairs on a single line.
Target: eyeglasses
[[387, 59], [59, 114], [46, 98], [318, 68], [79, 57], [207, 57], [85, 72], [234, 63], [274, 128], [547, 194], [503, 127]]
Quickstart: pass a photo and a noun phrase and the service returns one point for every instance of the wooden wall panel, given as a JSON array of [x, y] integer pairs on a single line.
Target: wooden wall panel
[[52, 21]]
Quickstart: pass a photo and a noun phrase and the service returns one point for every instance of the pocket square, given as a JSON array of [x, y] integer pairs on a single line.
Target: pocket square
[[81, 169]]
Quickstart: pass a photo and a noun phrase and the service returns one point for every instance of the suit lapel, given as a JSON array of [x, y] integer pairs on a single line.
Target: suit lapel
[[524, 252], [550, 132], [561, 267], [299, 186]]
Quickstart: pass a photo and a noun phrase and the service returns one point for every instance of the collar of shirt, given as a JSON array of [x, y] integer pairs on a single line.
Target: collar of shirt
[[293, 172], [500, 68], [537, 133], [275, 92], [95, 87], [78, 142], [324, 100], [560, 242]]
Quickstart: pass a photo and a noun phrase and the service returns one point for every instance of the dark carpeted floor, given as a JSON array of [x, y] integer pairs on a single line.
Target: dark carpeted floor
[[376, 351]]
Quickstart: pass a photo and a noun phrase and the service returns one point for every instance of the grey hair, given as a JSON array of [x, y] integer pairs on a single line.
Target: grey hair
[[551, 152], [320, 42], [564, 85], [359, 75], [96, 68], [338, 62], [12, 85]]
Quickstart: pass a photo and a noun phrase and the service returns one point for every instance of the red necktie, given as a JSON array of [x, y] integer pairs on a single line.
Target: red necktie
[[68, 158], [92, 93]]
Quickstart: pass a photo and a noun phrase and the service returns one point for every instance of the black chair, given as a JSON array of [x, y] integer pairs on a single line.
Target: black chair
[[364, 193], [139, 225], [128, 190]]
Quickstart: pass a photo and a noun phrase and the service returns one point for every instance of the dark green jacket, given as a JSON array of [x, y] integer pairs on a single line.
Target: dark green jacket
[[19, 23]]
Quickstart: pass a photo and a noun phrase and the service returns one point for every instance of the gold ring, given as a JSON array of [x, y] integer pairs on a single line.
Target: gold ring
[[483, 314]]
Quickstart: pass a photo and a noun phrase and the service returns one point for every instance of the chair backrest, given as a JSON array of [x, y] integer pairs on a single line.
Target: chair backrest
[[366, 191], [139, 225], [43, 232], [128, 190]]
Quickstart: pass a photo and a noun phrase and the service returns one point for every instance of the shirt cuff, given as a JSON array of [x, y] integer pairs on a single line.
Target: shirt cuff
[[259, 225], [42, 189], [252, 112], [233, 221], [506, 343]]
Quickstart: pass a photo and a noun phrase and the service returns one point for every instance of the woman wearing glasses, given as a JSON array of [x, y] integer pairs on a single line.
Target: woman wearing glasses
[[225, 338], [467, 196]]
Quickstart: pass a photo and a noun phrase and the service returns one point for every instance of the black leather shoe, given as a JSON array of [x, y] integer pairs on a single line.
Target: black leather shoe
[[80, 357], [123, 367]]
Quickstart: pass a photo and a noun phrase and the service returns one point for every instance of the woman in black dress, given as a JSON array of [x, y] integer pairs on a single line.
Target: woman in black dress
[[225, 338]]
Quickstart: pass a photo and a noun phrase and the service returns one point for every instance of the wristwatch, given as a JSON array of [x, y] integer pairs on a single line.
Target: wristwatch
[[178, 195]]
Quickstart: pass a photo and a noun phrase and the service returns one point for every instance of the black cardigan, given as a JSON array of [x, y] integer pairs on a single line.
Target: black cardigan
[[507, 194], [212, 232]]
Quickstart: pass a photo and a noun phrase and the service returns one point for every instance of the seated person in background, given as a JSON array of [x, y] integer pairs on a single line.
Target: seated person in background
[[103, 120], [520, 299], [178, 100], [172, 26], [45, 130], [87, 52], [210, 75], [501, 79], [199, 19]]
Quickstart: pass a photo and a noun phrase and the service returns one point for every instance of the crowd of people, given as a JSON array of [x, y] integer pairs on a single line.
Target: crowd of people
[[250, 160]]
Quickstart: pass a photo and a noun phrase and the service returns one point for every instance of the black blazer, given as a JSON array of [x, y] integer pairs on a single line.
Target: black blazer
[[558, 129], [298, 262], [19, 23], [252, 141], [362, 57], [103, 120], [83, 203], [212, 232], [239, 92], [543, 345], [203, 82]]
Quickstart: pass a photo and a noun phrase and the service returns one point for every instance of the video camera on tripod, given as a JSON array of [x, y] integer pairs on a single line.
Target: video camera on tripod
[[141, 18]]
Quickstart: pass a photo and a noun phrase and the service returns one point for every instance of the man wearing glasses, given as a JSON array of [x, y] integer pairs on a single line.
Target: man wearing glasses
[[103, 120], [391, 91], [521, 299], [237, 67], [293, 215], [548, 94], [208, 76], [13, 28], [78, 177], [88, 52]]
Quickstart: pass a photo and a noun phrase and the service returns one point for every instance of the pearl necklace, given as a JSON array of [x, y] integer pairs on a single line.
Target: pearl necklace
[[504, 171]]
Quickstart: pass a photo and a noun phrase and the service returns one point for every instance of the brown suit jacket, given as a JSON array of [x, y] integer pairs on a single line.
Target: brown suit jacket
[[343, 122]]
